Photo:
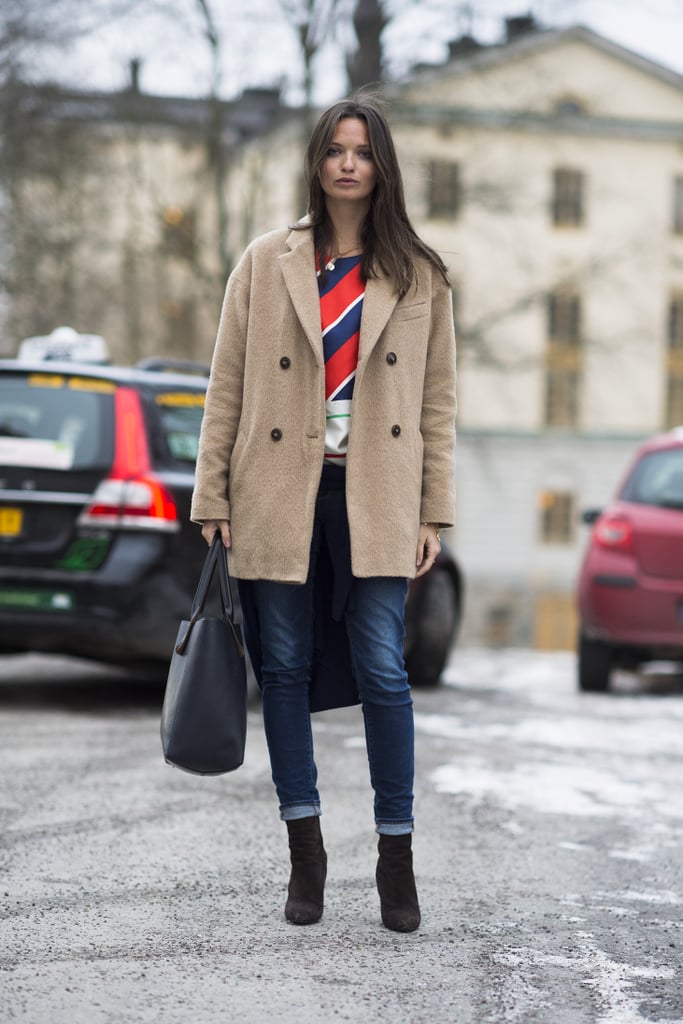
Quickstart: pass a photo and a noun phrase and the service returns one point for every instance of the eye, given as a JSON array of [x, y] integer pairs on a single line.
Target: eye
[[365, 154], [333, 151]]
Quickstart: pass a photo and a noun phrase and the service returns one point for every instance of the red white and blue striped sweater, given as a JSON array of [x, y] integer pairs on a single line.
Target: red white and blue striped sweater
[[341, 305]]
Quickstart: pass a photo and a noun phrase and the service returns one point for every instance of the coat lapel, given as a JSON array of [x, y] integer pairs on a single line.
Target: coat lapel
[[299, 276], [378, 305], [301, 282]]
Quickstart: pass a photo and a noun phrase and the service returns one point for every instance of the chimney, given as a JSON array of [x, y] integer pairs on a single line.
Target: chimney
[[134, 67], [519, 25], [463, 45]]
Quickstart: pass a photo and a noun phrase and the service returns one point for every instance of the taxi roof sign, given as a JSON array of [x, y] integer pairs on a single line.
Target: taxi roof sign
[[65, 344]]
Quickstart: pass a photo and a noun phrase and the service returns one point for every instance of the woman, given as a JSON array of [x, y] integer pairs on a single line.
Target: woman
[[327, 504]]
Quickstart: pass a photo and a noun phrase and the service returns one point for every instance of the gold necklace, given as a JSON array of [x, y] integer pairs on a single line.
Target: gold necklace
[[330, 265]]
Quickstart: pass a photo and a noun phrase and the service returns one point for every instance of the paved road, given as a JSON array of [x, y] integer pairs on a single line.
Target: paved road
[[548, 854]]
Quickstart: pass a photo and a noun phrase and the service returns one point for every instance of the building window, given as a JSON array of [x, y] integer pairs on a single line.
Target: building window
[[676, 322], [568, 189], [674, 389], [178, 228], [564, 318], [558, 517], [563, 360], [678, 205], [443, 198], [561, 399]]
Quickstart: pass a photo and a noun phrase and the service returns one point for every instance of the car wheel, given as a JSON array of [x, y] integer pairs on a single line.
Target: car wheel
[[594, 664], [434, 629]]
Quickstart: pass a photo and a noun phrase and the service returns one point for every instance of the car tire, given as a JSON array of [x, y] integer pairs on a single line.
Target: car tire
[[595, 661], [434, 630]]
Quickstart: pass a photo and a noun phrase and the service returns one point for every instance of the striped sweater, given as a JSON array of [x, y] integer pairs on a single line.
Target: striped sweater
[[341, 305]]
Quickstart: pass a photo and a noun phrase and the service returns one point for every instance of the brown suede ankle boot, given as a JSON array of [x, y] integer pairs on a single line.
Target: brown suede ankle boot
[[396, 884], [309, 870]]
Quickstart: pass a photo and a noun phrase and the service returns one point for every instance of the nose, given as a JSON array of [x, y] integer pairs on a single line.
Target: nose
[[348, 163]]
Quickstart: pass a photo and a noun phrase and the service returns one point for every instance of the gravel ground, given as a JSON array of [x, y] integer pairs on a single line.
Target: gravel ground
[[548, 858]]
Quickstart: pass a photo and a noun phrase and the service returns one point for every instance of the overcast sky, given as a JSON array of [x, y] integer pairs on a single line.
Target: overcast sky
[[259, 46]]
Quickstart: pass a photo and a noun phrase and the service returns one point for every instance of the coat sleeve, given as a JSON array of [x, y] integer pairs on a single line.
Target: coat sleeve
[[223, 401], [438, 413]]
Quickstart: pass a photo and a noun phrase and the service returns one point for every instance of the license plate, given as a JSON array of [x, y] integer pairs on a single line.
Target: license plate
[[11, 522], [36, 600]]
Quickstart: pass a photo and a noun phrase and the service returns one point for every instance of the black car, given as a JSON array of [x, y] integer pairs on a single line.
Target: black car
[[98, 557]]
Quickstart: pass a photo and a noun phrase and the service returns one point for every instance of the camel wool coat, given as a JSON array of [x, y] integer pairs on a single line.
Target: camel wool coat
[[263, 434]]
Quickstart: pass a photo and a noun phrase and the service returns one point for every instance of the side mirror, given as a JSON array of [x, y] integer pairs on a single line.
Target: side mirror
[[589, 515]]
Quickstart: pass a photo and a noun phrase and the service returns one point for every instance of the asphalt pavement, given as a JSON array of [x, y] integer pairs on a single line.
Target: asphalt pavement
[[547, 851]]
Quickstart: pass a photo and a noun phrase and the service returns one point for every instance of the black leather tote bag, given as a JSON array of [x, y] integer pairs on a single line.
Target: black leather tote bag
[[204, 715]]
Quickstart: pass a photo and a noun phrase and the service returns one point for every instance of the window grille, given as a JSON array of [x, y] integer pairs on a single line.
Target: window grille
[[563, 360], [443, 198], [558, 517], [678, 205], [673, 414], [568, 199]]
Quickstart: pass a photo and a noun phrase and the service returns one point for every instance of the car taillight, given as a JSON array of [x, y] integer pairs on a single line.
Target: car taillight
[[614, 532], [131, 496]]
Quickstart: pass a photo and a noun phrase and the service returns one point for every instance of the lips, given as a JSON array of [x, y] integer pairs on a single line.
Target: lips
[[346, 181]]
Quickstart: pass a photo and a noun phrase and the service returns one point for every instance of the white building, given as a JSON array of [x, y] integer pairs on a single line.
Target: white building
[[112, 213], [549, 172]]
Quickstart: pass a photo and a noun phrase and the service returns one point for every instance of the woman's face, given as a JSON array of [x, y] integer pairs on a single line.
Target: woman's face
[[348, 171]]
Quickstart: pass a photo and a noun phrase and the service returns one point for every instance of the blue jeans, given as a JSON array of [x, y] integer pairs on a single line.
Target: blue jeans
[[374, 620]]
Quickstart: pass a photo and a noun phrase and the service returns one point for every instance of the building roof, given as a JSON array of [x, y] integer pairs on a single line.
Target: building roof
[[469, 58], [475, 57], [251, 114]]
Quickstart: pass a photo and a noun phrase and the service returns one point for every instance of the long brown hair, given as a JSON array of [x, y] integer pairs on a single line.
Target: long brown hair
[[389, 241]]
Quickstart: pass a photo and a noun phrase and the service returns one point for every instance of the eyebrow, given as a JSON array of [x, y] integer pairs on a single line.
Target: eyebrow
[[361, 145]]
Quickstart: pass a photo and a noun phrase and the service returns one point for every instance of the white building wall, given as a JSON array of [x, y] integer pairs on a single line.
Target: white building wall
[[505, 255], [506, 564]]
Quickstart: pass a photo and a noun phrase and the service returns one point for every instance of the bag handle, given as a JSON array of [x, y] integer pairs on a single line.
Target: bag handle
[[202, 591], [215, 557]]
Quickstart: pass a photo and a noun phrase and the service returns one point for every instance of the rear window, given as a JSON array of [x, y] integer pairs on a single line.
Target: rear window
[[657, 479], [55, 421], [180, 415]]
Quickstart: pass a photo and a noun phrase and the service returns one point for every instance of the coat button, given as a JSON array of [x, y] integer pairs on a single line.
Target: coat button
[[285, 362], [276, 434], [391, 358], [395, 430]]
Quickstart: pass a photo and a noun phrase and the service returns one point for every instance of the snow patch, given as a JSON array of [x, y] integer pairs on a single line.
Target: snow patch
[[614, 983], [554, 788], [639, 738], [659, 897]]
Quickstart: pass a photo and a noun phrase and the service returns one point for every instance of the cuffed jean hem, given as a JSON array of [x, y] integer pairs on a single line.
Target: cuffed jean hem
[[294, 811], [394, 828]]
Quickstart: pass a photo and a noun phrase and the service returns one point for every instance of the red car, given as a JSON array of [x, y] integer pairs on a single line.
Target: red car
[[630, 590]]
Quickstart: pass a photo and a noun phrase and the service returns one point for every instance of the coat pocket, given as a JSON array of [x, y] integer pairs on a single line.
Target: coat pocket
[[411, 312]]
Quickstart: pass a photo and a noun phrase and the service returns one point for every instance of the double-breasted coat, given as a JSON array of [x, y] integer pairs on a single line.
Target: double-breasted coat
[[263, 434]]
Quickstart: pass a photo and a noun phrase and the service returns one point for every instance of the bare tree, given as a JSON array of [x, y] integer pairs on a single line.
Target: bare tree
[[314, 24], [365, 65], [214, 137], [31, 30], [61, 193]]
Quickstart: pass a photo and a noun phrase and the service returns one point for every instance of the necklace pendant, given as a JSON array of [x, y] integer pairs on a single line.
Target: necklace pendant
[[330, 265]]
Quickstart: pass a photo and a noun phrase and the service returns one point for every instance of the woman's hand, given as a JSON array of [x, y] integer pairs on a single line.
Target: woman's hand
[[428, 547], [210, 527]]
